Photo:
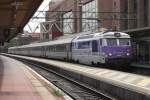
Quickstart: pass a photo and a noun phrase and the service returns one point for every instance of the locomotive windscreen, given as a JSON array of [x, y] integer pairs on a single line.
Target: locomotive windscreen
[[118, 42], [111, 42], [124, 42]]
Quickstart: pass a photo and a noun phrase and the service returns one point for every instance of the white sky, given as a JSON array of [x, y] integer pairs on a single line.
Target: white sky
[[34, 23]]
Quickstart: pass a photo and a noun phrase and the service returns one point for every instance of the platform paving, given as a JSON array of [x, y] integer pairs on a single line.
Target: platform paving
[[16, 83]]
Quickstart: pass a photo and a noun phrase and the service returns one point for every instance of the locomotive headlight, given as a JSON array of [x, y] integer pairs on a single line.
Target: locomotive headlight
[[110, 54], [104, 54], [128, 54]]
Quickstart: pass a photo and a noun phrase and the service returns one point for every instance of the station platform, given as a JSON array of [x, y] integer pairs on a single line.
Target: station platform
[[18, 83]]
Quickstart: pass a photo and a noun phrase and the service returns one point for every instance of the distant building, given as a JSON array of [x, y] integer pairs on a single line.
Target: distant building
[[74, 16], [26, 38]]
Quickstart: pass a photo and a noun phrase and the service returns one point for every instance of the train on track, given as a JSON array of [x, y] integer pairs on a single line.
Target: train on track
[[95, 48]]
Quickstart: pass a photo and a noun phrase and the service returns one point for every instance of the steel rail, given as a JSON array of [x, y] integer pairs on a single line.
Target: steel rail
[[75, 89]]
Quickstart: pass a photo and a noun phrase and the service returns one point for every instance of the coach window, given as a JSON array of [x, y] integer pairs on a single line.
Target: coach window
[[56, 48], [47, 48], [84, 45], [51, 48], [72, 45], [40, 49], [94, 46], [100, 42], [61, 48], [75, 45]]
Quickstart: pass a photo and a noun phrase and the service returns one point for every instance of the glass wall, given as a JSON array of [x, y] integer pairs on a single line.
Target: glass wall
[[68, 22], [146, 8], [89, 16]]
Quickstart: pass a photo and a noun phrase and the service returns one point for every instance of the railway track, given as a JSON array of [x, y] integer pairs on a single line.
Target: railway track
[[75, 89], [129, 69]]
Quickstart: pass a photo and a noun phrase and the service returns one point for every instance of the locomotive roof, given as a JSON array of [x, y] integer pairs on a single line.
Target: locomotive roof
[[100, 35], [112, 33], [104, 34]]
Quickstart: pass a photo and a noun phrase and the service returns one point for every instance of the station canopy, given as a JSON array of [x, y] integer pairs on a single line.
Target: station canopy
[[14, 15]]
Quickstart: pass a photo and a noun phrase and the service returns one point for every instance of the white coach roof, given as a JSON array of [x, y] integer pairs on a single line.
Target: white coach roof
[[68, 39]]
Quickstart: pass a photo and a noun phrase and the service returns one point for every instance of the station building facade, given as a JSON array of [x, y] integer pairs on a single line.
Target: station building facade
[[132, 16]]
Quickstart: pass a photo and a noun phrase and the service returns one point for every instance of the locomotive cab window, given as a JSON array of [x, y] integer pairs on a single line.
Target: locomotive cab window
[[100, 42], [111, 41], [124, 42]]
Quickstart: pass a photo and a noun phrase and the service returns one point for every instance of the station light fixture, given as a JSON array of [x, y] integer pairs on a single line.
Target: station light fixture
[[79, 3], [16, 4]]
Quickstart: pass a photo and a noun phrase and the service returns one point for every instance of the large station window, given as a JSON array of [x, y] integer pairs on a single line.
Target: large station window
[[68, 22], [90, 16]]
